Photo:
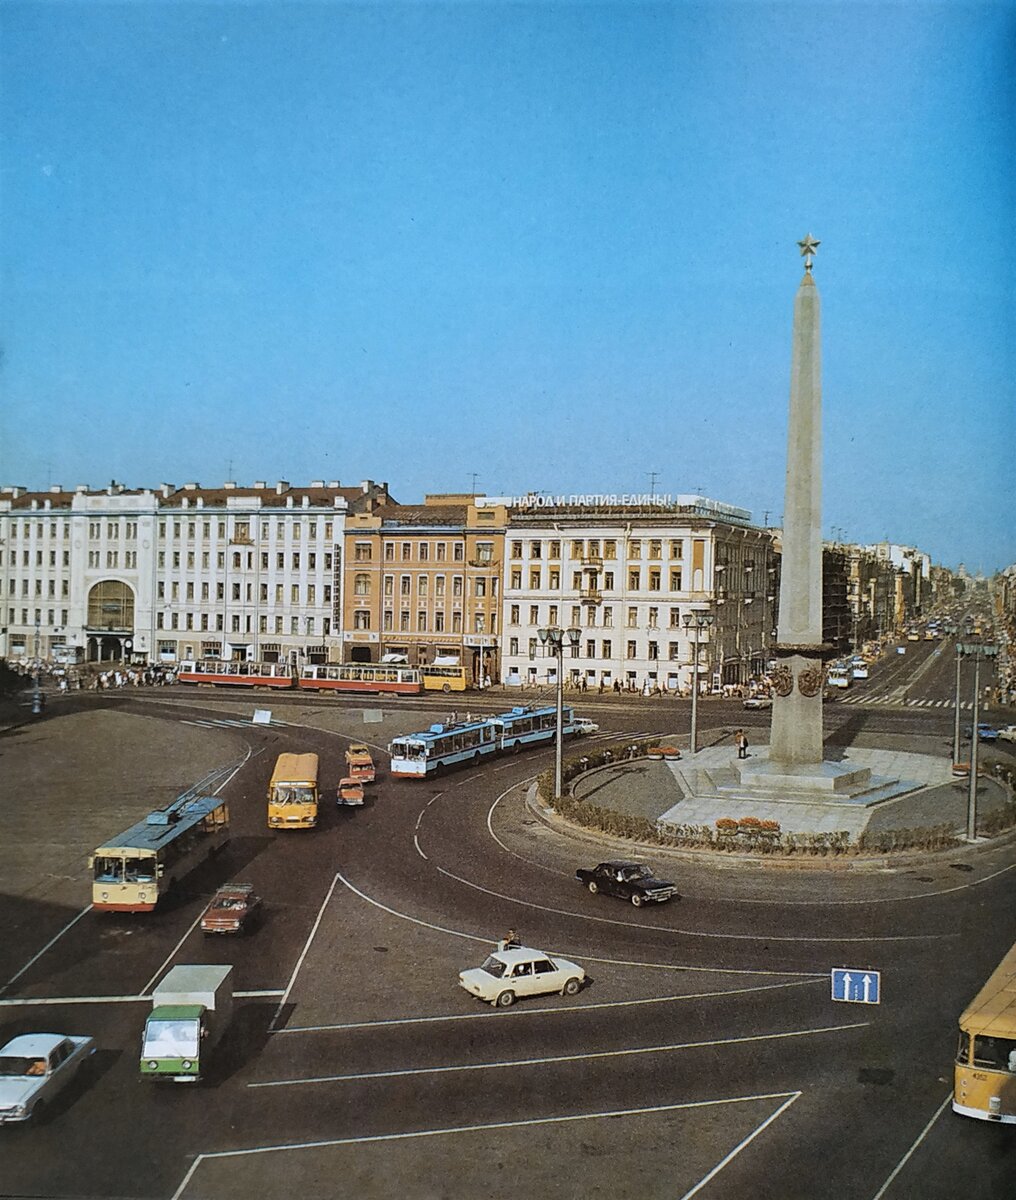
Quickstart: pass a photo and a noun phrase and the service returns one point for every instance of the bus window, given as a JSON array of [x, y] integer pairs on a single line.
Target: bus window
[[108, 869], [996, 1053]]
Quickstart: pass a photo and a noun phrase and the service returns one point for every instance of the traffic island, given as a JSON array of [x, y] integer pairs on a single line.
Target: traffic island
[[691, 804]]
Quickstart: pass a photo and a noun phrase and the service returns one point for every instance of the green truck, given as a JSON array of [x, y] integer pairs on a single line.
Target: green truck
[[191, 1009]]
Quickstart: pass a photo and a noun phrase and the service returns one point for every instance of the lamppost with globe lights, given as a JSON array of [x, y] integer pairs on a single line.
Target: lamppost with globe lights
[[697, 620], [976, 651], [556, 639]]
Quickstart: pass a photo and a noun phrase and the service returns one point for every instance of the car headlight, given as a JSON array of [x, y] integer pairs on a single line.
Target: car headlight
[[153, 1066], [186, 1064]]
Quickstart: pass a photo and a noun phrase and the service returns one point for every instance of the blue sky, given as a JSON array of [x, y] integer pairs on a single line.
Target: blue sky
[[552, 244]]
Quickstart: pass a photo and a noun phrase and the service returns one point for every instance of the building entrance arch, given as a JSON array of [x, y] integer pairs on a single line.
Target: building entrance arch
[[109, 625]]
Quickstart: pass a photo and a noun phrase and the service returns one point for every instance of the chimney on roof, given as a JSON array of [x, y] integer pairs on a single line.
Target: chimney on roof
[[366, 485], [260, 483], [191, 487], [230, 485], [56, 488], [81, 489], [334, 484], [317, 483], [281, 486], [167, 489]]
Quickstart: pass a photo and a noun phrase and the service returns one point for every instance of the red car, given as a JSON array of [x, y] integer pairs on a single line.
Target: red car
[[233, 909]]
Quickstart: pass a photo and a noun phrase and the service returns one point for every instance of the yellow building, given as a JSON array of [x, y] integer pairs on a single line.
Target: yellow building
[[421, 583]]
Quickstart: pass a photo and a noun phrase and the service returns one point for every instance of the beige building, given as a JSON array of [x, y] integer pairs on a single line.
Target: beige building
[[422, 584], [626, 576]]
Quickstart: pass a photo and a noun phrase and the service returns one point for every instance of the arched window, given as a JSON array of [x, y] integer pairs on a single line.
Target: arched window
[[111, 606]]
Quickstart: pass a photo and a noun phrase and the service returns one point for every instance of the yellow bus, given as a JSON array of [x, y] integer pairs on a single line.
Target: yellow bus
[[443, 679], [985, 1077], [293, 792]]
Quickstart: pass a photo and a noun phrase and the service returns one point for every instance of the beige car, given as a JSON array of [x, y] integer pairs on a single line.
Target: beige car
[[509, 975]]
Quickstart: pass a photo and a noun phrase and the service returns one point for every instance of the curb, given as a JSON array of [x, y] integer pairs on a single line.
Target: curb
[[726, 861]]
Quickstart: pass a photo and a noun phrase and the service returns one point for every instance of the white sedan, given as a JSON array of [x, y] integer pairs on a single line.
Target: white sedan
[[34, 1067], [1008, 733], [583, 726], [509, 974]]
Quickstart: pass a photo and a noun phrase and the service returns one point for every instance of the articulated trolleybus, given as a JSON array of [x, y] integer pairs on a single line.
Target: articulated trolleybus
[[985, 1075], [418, 755], [133, 871]]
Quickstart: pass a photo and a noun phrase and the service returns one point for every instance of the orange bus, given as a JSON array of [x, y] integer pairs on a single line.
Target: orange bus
[[985, 1075]]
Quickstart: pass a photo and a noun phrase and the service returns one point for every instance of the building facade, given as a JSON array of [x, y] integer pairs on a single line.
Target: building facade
[[165, 574], [423, 585], [626, 576]]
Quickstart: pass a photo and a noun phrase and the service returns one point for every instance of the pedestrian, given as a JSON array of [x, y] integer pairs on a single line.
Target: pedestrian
[[511, 941], [741, 742]]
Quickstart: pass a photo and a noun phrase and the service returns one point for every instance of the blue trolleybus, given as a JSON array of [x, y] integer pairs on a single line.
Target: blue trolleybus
[[419, 755], [525, 726]]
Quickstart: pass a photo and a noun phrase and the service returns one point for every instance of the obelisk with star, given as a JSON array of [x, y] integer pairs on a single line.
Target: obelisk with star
[[796, 738]]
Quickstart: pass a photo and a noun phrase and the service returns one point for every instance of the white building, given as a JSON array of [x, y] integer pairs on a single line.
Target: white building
[[626, 572], [171, 573]]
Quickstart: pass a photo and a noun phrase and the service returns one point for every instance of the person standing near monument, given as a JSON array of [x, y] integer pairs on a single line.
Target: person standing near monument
[[741, 742]]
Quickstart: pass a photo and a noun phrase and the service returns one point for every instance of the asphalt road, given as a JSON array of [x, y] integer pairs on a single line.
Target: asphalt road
[[705, 1057]]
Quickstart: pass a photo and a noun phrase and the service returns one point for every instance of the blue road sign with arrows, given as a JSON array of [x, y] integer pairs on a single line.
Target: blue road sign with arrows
[[856, 986]]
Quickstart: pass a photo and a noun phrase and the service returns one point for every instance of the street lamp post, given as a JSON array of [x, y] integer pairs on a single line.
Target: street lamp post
[[556, 638], [698, 621], [976, 651], [952, 629], [37, 692]]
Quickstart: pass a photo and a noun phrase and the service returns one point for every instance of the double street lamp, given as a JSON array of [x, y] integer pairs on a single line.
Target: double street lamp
[[698, 621], [976, 651], [555, 638]]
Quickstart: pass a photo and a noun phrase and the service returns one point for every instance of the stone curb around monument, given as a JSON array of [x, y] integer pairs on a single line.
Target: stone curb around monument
[[781, 862]]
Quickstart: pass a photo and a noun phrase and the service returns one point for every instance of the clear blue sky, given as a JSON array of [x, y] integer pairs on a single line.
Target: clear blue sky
[[553, 244]]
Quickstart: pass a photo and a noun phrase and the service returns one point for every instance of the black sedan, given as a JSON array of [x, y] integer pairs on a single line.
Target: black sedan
[[632, 881]]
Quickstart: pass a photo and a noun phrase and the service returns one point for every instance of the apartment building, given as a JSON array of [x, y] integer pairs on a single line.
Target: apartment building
[[164, 574], [626, 576], [423, 584]]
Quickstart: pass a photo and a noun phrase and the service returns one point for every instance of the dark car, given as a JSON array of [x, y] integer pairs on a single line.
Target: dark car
[[631, 881], [233, 909]]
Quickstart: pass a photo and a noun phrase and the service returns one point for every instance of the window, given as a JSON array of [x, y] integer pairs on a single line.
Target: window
[[655, 548], [607, 648], [576, 615], [634, 547], [280, 562], [442, 551], [513, 645], [439, 585], [361, 618], [534, 614], [608, 580], [675, 579], [389, 551], [513, 615], [405, 585], [516, 579], [424, 551], [634, 579], [555, 549], [552, 615], [675, 618], [630, 650], [555, 579], [535, 549], [480, 586], [439, 622], [407, 551], [675, 547], [295, 593], [516, 549], [674, 651], [654, 618], [421, 621], [590, 648], [479, 623], [387, 619], [361, 584], [457, 585], [633, 617], [296, 559], [654, 650], [404, 621], [388, 586], [608, 617], [459, 552], [654, 579], [362, 552], [591, 616]]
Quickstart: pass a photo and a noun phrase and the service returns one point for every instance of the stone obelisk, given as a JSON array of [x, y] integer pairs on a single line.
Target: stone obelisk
[[796, 738]]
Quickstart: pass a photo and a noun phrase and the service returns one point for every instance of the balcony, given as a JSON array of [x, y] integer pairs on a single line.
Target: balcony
[[486, 564], [591, 595], [592, 560]]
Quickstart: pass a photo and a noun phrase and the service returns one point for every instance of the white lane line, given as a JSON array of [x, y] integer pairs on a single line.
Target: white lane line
[[303, 954], [553, 1060], [52, 941], [525, 1012], [169, 957], [419, 820], [525, 1124], [486, 941], [690, 933], [52, 1001], [741, 1145], [906, 1157]]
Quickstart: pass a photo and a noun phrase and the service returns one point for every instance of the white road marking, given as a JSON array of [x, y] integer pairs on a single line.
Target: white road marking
[[741, 1145], [523, 1124], [169, 957], [303, 953], [470, 937], [52, 941], [553, 1060], [51, 1001], [906, 1157], [559, 1008]]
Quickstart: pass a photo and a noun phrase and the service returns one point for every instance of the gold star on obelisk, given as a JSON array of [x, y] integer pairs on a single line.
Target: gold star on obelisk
[[809, 248]]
